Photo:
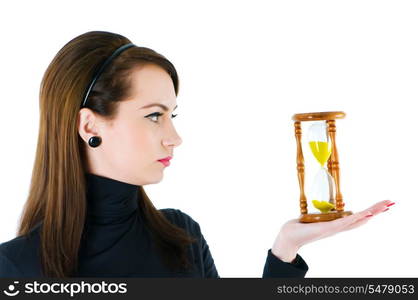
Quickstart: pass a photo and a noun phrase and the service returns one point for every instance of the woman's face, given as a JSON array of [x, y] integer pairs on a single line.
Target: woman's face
[[137, 138]]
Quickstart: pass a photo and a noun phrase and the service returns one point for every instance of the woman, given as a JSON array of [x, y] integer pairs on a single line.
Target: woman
[[105, 132]]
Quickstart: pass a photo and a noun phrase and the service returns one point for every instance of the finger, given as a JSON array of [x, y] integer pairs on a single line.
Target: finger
[[376, 209], [342, 223], [379, 207], [357, 224]]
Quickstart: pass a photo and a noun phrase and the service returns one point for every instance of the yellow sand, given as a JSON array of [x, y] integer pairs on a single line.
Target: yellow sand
[[323, 206], [321, 151]]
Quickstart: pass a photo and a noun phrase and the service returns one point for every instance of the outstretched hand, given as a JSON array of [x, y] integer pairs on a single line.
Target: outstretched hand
[[294, 234]]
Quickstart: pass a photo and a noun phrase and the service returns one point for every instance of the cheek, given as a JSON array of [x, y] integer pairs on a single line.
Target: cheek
[[133, 145]]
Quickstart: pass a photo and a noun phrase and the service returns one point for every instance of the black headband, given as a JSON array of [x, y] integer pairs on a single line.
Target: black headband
[[107, 61]]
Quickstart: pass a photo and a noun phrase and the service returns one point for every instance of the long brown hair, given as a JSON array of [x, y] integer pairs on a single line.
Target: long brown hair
[[57, 195]]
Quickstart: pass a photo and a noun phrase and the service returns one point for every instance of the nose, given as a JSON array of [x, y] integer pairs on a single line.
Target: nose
[[173, 139]]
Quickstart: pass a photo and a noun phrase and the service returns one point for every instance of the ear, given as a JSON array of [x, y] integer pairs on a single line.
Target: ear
[[87, 122]]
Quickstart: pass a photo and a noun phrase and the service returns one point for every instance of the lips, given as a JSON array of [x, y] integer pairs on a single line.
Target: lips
[[166, 158], [165, 161]]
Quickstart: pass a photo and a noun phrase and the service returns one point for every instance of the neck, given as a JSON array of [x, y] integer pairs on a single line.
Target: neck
[[110, 201]]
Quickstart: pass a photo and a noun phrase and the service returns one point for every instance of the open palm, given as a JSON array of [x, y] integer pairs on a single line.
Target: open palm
[[294, 234]]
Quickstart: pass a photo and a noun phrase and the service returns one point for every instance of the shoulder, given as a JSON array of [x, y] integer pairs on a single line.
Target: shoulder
[[182, 219], [19, 254], [14, 246], [9, 255], [20, 243]]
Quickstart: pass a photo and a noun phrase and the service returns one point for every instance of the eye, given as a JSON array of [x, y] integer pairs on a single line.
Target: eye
[[156, 115]]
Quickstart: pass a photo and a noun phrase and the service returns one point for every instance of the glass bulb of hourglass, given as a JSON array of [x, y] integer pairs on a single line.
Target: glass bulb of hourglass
[[319, 142], [323, 191], [323, 185]]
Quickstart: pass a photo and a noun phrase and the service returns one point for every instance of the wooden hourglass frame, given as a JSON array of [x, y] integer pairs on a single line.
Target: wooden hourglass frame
[[332, 166]]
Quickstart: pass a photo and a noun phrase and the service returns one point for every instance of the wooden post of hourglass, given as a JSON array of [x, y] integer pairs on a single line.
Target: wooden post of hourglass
[[300, 168], [333, 166]]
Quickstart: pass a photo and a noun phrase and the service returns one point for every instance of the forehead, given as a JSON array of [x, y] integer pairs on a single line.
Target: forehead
[[151, 83]]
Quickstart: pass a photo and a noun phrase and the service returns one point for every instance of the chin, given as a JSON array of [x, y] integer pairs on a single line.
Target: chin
[[157, 179], [160, 179]]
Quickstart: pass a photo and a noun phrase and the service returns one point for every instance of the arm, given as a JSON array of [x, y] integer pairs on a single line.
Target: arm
[[283, 260], [274, 267], [277, 268]]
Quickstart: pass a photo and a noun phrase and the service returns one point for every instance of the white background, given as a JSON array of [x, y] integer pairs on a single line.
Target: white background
[[245, 68]]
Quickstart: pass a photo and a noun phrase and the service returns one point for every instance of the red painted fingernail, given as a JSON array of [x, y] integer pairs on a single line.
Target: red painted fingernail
[[385, 209], [369, 215], [390, 204]]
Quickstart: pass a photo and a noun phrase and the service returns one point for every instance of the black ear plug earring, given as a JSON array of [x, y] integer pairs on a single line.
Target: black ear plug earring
[[95, 141]]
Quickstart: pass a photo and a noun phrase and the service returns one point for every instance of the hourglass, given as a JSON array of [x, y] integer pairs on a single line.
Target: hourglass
[[325, 194]]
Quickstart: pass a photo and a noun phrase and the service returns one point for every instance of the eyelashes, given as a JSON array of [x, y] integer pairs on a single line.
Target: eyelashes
[[157, 114]]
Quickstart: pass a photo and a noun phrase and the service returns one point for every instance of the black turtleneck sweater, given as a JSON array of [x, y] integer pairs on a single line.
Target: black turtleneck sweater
[[117, 244]]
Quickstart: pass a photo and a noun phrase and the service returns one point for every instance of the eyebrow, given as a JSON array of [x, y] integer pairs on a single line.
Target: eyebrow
[[165, 108]]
